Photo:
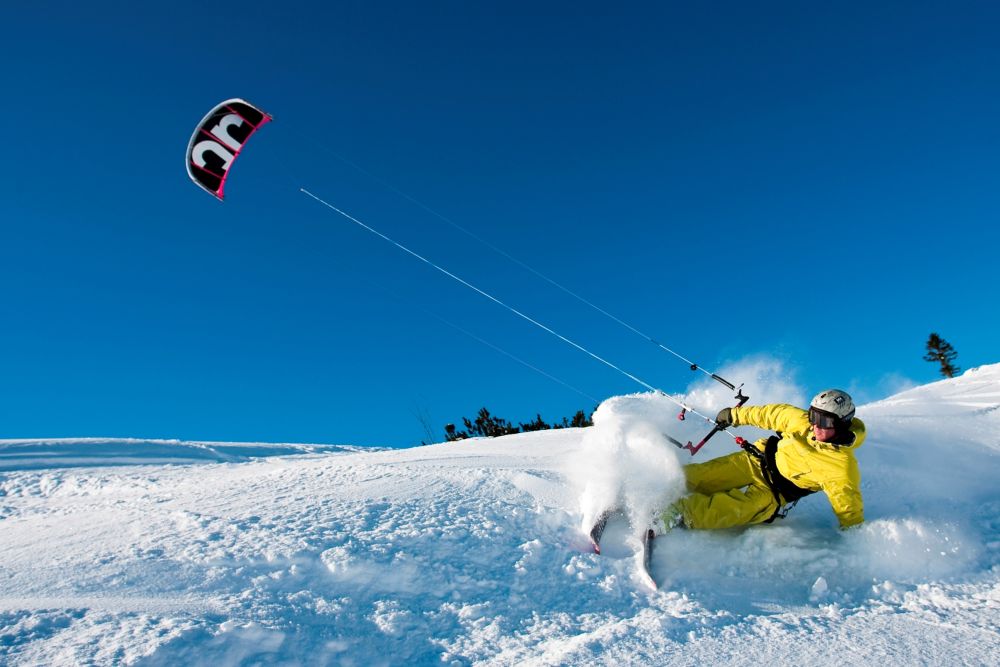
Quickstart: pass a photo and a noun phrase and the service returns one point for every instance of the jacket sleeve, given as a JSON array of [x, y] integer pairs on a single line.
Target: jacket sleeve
[[859, 431], [775, 417], [845, 496]]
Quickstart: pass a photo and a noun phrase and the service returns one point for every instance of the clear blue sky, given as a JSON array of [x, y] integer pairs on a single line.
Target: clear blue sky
[[814, 182]]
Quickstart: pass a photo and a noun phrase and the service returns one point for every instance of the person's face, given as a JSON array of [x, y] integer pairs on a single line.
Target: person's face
[[824, 434]]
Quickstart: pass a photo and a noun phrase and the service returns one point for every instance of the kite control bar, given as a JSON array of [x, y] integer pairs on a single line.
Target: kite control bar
[[694, 448]]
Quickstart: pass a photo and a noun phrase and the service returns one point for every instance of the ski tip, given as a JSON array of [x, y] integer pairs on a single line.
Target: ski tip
[[647, 578]]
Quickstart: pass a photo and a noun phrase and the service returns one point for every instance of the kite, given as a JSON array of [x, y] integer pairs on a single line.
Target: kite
[[218, 140]]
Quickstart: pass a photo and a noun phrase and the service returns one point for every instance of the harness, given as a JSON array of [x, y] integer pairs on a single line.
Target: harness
[[785, 491]]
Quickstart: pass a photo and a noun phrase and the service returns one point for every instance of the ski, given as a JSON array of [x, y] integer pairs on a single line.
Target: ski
[[647, 555], [598, 529]]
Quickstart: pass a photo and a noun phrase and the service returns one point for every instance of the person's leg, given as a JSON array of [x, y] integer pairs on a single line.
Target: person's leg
[[726, 491], [721, 474], [725, 509]]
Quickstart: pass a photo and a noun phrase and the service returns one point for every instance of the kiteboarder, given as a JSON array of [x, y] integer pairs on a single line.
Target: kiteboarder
[[812, 450]]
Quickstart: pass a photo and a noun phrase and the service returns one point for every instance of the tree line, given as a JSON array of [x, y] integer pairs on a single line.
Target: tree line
[[490, 426]]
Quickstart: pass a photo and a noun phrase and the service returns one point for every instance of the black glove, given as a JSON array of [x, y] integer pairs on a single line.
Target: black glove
[[724, 418]]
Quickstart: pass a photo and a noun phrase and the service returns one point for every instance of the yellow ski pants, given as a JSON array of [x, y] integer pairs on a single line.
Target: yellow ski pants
[[725, 492]]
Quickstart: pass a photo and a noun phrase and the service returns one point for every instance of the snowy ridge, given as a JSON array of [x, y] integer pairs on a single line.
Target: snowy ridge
[[471, 553], [28, 454]]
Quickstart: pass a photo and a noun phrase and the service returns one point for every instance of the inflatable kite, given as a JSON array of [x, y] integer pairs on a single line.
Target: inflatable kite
[[218, 140]]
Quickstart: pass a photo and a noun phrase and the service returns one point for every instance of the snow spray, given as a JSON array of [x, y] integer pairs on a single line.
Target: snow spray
[[627, 461]]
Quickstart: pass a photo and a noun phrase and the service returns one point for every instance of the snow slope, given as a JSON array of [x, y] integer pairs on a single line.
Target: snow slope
[[471, 552]]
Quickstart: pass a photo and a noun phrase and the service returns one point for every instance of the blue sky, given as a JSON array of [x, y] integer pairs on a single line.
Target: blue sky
[[816, 184]]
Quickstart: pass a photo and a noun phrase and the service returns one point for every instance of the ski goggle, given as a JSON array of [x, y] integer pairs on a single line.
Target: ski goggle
[[822, 419]]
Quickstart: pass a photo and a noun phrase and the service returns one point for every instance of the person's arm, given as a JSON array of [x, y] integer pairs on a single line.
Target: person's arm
[[775, 417], [844, 494]]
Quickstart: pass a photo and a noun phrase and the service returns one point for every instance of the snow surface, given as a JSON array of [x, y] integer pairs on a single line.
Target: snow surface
[[169, 553]]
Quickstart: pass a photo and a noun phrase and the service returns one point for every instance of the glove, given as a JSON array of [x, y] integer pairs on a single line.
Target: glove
[[724, 418]]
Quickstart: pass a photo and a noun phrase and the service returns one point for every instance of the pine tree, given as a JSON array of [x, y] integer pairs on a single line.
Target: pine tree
[[941, 351], [581, 420], [538, 424], [489, 426]]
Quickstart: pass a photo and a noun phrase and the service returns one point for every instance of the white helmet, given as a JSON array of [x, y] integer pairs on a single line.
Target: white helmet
[[830, 406]]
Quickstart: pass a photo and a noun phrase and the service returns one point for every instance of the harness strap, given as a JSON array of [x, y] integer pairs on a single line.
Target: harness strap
[[784, 490]]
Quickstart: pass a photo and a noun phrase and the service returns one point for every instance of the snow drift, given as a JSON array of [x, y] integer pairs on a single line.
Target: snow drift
[[471, 552]]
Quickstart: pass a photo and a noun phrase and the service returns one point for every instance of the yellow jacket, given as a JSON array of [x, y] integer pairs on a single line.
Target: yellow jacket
[[809, 463]]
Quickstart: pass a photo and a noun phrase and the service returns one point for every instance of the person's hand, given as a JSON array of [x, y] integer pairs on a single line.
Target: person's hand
[[724, 418]]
